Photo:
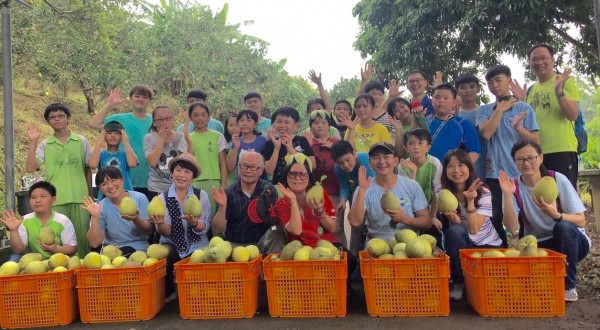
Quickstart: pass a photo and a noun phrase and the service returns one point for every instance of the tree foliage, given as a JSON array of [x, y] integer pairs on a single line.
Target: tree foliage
[[345, 89], [454, 36]]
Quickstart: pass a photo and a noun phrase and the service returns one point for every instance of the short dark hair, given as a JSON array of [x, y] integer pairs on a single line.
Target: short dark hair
[[311, 102], [447, 87], [252, 95], [316, 115], [365, 96], [47, 186], [287, 168], [109, 172], [420, 133], [341, 148], [392, 105], [142, 90], [534, 47], [54, 107], [197, 94], [374, 85], [415, 71], [286, 111], [198, 105], [466, 78], [343, 102], [497, 70], [250, 115]]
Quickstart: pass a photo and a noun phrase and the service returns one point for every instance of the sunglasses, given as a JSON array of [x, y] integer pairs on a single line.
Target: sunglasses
[[297, 174]]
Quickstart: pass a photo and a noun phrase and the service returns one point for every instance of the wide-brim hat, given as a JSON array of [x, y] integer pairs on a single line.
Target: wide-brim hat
[[186, 157]]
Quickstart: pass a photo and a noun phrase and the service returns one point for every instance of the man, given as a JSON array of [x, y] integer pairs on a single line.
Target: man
[[136, 125], [554, 99], [232, 216], [467, 89], [253, 101], [366, 207], [416, 83], [65, 156], [195, 96]]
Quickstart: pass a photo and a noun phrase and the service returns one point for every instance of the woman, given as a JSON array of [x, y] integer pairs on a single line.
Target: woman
[[181, 233], [558, 225], [470, 225], [307, 220], [108, 226], [162, 144]]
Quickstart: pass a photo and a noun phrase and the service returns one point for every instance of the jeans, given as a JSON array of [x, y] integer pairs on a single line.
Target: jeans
[[568, 240], [497, 213], [456, 238]]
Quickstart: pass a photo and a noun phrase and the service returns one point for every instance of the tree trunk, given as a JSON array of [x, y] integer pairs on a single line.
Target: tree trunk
[[89, 96]]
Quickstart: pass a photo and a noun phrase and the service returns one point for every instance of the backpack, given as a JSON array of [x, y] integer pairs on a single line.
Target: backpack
[[522, 219], [578, 129]]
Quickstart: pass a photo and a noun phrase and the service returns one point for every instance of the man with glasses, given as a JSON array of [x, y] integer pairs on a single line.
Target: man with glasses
[[416, 83], [236, 199], [65, 156], [366, 207]]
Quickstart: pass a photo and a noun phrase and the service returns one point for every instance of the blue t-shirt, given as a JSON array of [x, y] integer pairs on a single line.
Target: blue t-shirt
[[348, 181], [263, 126], [119, 160], [118, 231], [471, 117], [499, 145], [412, 199], [449, 134], [427, 106], [136, 129], [213, 124]]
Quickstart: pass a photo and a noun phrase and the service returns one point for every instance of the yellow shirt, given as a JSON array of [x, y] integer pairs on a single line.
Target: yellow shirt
[[364, 138]]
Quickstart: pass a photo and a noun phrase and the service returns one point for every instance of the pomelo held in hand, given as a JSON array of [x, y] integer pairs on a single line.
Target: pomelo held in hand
[[447, 202], [156, 207], [128, 207], [547, 189], [192, 206]]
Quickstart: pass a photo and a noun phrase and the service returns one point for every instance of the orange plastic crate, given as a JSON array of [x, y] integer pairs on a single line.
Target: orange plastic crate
[[520, 286], [38, 300], [217, 290], [121, 294], [406, 287], [306, 288]]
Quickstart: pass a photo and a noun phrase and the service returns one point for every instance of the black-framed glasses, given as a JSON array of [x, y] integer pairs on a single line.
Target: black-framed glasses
[[529, 159], [57, 117], [160, 120], [297, 174], [245, 167]]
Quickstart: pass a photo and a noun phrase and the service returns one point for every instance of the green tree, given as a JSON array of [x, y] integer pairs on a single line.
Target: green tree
[[345, 89], [453, 36]]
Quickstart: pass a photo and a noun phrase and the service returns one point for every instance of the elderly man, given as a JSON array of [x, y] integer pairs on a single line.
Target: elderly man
[[235, 201]]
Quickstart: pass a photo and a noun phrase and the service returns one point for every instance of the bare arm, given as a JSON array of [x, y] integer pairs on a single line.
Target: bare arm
[[219, 221], [568, 107], [356, 216], [131, 157], [223, 167], [94, 160], [34, 133], [312, 75], [114, 98], [154, 156]]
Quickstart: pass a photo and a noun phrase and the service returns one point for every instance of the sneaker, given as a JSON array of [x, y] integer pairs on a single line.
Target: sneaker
[[171, 297], [457, 292], [571, 295]]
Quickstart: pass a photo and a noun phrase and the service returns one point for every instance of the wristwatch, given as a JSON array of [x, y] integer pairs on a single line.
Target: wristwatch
[[561, 94], [559, 218]]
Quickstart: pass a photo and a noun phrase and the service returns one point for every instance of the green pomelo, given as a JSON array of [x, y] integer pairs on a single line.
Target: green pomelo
[[432, 240], [493, 254], [405, 235], [157, 251], [316, 192], [547, 189], [418, 248], [511, 253], [149, 262], [128, 207], [131, 263], [226, 247], [392, 242], [526, 240], [253, 251], [192, 206], [326, 244], [58, 260], [10, 268], [389, 201], [215, 255], [47, 236], [399, 247], [197, 257], [542, 253], [108, 266], [303, 253], [386, 256], [28, 258], [446, 202], [74, 262], [529, 251], [377, 247], [105, 260], [92, 260], [35, 267], [240, 254], [156, 207], [400, 255], [59, 269], [118, 261], [288, 251], [214, 241], [321, 253], [112, 251], [476, 255], [139, 256]]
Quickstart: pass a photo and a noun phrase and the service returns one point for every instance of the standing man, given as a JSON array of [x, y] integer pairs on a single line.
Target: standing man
[[136, 125], [65, 156], [554, 99], [253, 101]]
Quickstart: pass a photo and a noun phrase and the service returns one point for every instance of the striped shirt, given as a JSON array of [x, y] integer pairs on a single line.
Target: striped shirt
[[487, 234]]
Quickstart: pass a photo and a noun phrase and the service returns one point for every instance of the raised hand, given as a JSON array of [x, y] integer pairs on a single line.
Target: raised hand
[[412, 167], [559, 84], [437, 79], [471, 193], [124, 137], [518, 120], [91, 206], [312, 75], [517, 90], [33, 133], [235, 141], [507, 185], [363, 181], [286, 140], [503, 105], [341, 207], [286, 192], [219, 196], [271, 136], [115, 97], [367, 72], [393, 89], [10, 220]]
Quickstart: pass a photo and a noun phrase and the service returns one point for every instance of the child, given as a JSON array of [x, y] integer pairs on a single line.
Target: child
[[315, 105], [502, 124], [253, 101], [113, 134], [284, 141], [248, 138], [367, 131], [195, 96], [342, 110], [403, 119], [467, 89], [210, 149], [469, 226], [25, 231], [231, 129], [65, 155]]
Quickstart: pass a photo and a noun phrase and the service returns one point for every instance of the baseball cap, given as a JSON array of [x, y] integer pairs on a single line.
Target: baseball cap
[[388, 148], [113, 126]]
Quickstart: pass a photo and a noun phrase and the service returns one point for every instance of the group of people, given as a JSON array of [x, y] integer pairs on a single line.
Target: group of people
[[488, 156]]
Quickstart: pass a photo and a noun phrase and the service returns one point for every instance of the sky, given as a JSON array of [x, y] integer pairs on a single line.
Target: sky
[[310, 34]]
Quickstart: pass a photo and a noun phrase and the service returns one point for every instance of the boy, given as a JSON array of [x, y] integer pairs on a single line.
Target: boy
[[447, 131], [347, 162], [135, 123], [501, 124], [284, 141], [467, 88], [25, 231], [195, 96], [113, 134], [65, 156], [366, 207], [253, 101]]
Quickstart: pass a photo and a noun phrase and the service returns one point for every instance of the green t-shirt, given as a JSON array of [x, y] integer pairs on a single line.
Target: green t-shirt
[[136, 130], [429, 177], [207, 146], [556, 131], [64, 166], [31, 227]]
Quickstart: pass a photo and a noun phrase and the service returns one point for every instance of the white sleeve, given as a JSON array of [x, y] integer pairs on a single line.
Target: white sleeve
[[23, 235], [67, 236]]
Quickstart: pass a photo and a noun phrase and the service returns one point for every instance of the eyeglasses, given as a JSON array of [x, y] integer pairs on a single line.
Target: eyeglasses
[[160, 120], [415, 81], [320, 113], [530, 160], [245, 167], [297, 174], [57, 117]]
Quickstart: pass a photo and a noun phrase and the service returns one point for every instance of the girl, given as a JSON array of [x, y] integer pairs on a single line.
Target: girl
[[231, 129], [558, 225], [403, 119], [210, 149], [316, 105], [342, 110], [470, 224], [363, 132], [247, 139], [319, 122], [162, 144]]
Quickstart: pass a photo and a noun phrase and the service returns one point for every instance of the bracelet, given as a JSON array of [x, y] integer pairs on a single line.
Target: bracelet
[[559, 218], [561, 94], [194, 225], [319, 213], [471, 211]]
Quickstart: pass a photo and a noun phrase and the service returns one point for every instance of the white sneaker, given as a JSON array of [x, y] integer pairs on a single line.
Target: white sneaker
[[457, 292], [171, 297], [571, 295]]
